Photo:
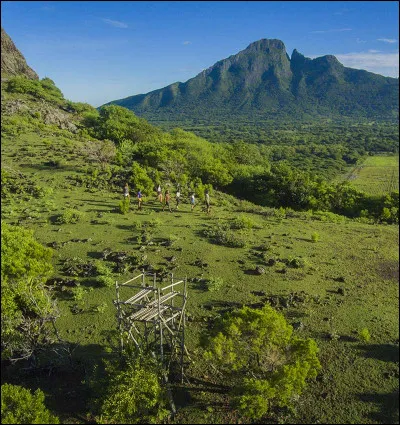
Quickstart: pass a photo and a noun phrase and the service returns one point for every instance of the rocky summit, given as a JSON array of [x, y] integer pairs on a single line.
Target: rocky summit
[[263, 82], [12, 61]]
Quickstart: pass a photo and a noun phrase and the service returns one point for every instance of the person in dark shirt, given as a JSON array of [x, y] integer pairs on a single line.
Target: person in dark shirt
[[139, 198]]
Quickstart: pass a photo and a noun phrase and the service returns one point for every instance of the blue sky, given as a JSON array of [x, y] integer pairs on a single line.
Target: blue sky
[[100, 51]]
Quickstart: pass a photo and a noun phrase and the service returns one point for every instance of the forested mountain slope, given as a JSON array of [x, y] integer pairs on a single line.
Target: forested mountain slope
[[263, 82]]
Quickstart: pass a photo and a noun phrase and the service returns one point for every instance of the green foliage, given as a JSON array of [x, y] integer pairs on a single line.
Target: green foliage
[[222, 234], [78, 293], [101, 268], [106, 281], [26, 305], [154, 223], [261, 342], [315, 237], [104, 274], [118, 124], [243, 222], [124, 205], [20, 406], [44, 89], [131, 393], [141, 180], [21, 84], [214, 284], [70, 216], [80, 107], [172, 239], [364, 335], [101, 308], [297, 262], [13, 184]]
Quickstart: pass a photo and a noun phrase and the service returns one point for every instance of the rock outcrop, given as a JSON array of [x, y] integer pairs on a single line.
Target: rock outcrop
[[12, 61]]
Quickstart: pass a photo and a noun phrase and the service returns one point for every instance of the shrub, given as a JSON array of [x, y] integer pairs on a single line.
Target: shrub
[[297, 262], [261, 344], [101, 268], [153, 223], [44, 89], [242, 222], [131, 393], [70, 216], [215, 283], [101, 308], [280, 213], [328, 217], [26, 305], [21, 184], [20, 406], [364, 335], [172, 239], [76, 266], [124, 205], [221, 234], [24, 85], [315, 237], [106, 281], [78, 293]]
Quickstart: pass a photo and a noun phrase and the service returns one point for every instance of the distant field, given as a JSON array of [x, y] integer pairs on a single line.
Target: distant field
[[377, 175]]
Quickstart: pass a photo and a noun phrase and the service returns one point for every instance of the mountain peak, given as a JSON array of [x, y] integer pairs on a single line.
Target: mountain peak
[[262, 80], [265, 44]]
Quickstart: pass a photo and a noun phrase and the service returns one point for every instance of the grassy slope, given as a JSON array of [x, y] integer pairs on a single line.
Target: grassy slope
[[359, 381]]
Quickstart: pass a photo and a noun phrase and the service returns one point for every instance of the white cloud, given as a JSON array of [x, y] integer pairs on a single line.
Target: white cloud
[[386, 64], [387, 40], [333, 30], [360, 41], [116, 24], [187, 42]]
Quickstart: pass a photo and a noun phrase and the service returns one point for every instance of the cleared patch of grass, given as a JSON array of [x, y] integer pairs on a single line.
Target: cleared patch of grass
[[377, 175]]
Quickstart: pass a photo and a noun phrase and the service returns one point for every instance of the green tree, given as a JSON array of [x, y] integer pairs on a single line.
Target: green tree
[[131, 393], [141, 180], [26, 305], [267, 364], [20, 406]]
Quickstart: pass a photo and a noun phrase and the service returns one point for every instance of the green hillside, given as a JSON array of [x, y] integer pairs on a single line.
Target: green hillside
[[322, 254]]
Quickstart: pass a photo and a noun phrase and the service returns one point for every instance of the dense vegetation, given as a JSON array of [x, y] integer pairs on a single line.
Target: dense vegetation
[[26, 305], [19, 406], [286, 309]]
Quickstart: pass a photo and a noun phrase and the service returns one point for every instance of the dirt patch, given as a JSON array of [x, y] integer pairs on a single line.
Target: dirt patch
[[389, 270]]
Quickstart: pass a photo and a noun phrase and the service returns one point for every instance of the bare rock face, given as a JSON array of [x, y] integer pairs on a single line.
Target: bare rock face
[[46, 113], [12, 61]]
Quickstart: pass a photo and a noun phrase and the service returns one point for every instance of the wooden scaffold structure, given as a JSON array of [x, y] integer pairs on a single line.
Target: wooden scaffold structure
[[152, 316]]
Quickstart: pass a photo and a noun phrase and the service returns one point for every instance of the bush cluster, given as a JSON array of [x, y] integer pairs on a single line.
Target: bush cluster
[[70, 216], [221, 234], [43, 89], [267, 364], [20, 406]]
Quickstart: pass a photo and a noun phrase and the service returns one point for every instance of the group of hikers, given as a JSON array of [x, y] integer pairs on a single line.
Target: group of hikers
[[165, 199]]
